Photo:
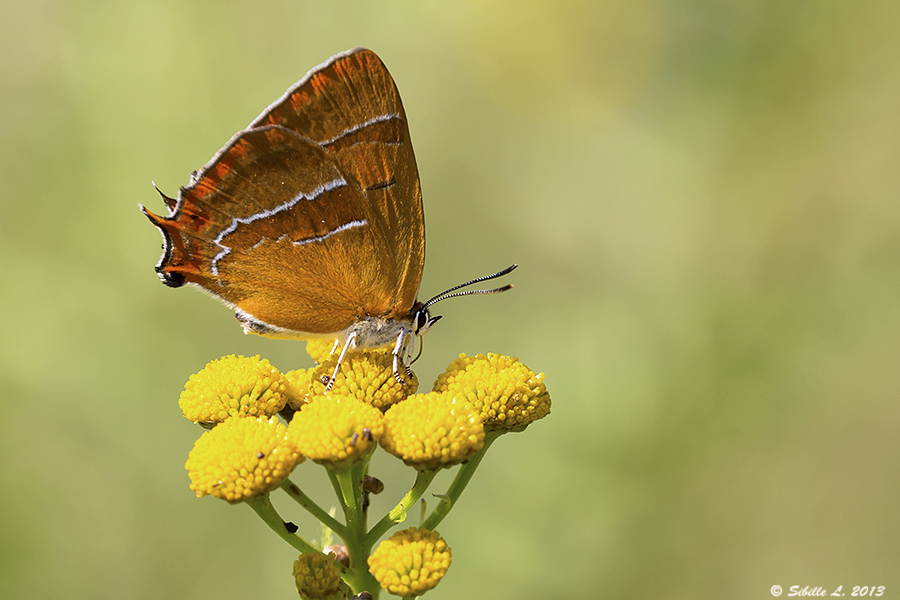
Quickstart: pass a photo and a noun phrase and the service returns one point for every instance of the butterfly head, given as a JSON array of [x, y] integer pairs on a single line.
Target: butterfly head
[[375, 332], [422, 319]]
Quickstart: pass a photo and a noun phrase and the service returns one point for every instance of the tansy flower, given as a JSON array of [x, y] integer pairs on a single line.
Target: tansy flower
[[336, 430], [298, 385], [410, 562], [367, 375], [233, 385], [320, 349], [242, 457], [506, 393], [318, 578], [431, 431]]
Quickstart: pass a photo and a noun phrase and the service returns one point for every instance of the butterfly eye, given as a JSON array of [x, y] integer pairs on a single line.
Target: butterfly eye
[[422, 328], [421, 321]]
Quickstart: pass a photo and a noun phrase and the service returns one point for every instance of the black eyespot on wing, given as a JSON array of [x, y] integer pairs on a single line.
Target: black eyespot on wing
[[173, 280]]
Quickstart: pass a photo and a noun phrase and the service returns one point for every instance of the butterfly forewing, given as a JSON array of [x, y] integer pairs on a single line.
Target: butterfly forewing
[[350, 105]]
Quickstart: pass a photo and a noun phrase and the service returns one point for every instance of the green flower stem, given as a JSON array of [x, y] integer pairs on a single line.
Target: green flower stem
[[306, 502], [351, 499], [398, 513], [459, 484], [348, 485], [263, 507], [336, 485]]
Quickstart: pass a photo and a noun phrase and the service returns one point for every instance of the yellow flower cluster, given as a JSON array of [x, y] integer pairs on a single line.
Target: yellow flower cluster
[[410, 562], [367, 375], [336, 430], [318, 577], [248, 453], [233, 385], [431, 431], [507, 395], [241, 458]]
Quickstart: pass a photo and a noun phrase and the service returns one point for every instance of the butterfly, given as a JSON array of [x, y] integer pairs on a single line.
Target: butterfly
[[309, 222]]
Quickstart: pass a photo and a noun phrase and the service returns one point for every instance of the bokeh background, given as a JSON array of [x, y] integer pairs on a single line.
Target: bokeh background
[[703, 198]]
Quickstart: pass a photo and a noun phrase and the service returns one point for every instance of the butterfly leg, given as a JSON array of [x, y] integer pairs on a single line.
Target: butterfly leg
[[409, 354], [399, 350], [351, 342]]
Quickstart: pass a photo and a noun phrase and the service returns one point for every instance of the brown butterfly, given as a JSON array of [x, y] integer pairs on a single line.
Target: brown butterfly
[[309, 223]]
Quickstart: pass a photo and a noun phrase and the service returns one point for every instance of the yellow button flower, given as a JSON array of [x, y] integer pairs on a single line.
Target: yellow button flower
[[507, 394], [410, 562], [336, 430], [367, 375], [431, 431], [233, 385], [242, 457], [318, 578], [299, 387], [320, 349]]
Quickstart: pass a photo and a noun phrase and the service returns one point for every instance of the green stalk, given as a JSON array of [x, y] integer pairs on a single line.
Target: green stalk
[[263, 507], [398, 513], [465, 473], [306, 502], [348, 485]]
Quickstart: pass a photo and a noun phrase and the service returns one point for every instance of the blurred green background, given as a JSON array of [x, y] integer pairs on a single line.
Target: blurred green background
[[703, 199]]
